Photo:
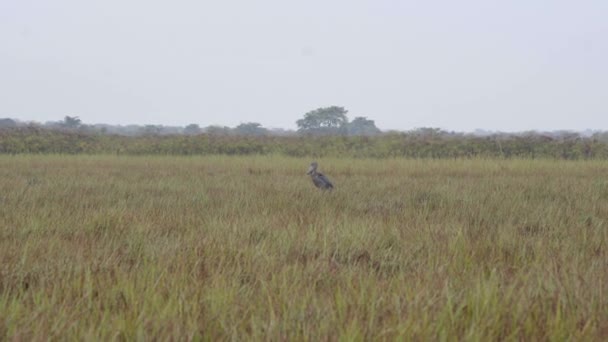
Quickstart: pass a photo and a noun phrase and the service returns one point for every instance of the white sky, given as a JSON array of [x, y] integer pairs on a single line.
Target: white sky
[[459, 65]]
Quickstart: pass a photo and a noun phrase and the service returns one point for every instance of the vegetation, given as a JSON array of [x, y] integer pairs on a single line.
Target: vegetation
[[245, 248], [324, 121], [192, 129], [362, 126], [422, 143], [250, 128], [72, 122], [7, 123]]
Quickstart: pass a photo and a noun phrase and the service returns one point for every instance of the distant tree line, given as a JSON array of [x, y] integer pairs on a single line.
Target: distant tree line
[[334, 135], [420, 143], [322, 121], [333, 121], [74, 124]]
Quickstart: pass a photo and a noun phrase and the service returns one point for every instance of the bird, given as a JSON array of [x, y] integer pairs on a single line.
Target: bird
[[319, 179]]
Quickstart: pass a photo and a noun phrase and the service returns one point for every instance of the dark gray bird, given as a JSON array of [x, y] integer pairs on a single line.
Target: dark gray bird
[[318, 178]]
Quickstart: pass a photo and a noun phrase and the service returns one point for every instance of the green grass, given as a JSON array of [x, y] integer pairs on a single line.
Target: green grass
[[102, 248]]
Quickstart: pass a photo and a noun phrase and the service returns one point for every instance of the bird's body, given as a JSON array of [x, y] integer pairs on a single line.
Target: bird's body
[[319, 179]]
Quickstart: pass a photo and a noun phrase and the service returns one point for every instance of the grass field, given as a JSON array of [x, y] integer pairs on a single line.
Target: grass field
[[215, 248]]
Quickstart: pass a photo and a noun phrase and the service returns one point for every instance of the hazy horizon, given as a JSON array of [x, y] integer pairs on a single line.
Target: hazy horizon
[[295, 129], [459, 66]]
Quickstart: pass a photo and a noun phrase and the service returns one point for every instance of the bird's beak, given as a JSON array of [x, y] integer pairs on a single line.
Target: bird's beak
[[310, 169]]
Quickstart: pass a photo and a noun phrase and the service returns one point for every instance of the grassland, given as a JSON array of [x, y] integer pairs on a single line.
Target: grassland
[[216, 248]]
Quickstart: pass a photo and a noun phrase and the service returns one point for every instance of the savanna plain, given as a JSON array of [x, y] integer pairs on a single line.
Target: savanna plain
[[246, 248]]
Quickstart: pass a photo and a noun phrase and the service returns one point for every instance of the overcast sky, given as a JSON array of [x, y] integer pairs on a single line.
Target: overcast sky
[[459, 65]]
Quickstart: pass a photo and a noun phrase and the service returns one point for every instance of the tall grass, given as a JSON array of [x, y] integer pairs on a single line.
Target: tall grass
[[97, 247]]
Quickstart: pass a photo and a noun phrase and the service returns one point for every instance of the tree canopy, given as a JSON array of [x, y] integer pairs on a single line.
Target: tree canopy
[[10, 123], [362, 126], [324, 121], [71, 122], [250, 128], [333, 121], [192, 129]]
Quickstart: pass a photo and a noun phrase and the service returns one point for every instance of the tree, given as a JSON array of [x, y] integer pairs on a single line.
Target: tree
[[217, 130], [250, 128], [71, 122], [152, 130], [8, 123], [324, 121], [192, 129], [428, 132], [362, 126]]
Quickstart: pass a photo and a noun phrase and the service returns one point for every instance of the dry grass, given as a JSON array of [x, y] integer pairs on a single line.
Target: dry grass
[[246, 248]]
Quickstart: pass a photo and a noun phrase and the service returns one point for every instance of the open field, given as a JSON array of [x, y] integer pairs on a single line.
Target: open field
[[100, 247]]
